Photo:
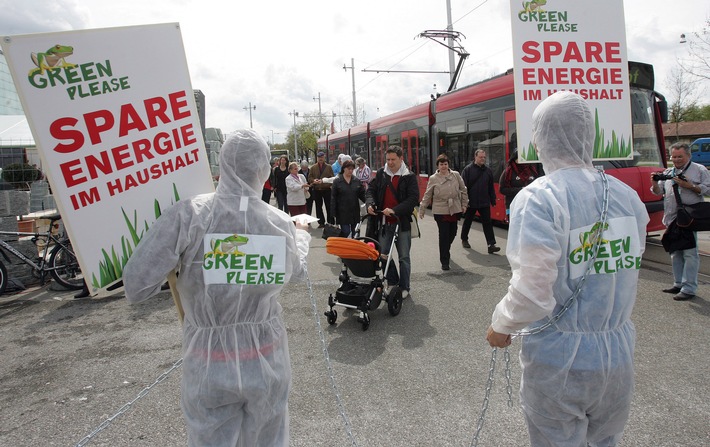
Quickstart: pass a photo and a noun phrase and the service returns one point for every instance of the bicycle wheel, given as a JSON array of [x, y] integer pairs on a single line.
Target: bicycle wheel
[[65, 266], [3, 278]]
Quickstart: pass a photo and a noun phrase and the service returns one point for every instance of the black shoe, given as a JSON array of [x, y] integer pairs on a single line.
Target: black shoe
[[445, 267], [83, 294], [673, 290], [683, 296], [465, 244], [493, 249]]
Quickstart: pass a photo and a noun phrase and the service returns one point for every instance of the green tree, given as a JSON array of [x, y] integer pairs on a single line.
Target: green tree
[[698, 113], [308, 131], [20, 175]]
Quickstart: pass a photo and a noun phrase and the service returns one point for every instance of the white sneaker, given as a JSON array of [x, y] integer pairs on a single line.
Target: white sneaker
[[405, 294]]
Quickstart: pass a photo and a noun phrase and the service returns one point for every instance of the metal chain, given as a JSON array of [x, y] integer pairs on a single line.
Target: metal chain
[[508, 386], [177, 364], [127, 407], [329, 365], [570, 301], [486, 400]]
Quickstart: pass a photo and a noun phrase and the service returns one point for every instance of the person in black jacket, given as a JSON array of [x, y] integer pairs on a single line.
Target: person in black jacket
[[516, 177], [481, 196], [345, 196], [394, 192], [280, 191]]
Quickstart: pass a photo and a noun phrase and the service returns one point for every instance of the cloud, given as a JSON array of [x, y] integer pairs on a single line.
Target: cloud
[[42, 16]]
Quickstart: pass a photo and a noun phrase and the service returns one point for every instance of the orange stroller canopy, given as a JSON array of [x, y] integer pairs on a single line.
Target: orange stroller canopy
[[346, 248]]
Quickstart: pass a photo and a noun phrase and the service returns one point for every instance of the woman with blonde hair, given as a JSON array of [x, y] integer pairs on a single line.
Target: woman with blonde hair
[[297, 188]]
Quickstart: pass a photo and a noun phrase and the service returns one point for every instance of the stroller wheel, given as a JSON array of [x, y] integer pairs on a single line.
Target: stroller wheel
[[394, 301], [365, 322], [332, 316]]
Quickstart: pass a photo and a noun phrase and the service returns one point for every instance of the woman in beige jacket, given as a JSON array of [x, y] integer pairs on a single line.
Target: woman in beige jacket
[[447, 194]]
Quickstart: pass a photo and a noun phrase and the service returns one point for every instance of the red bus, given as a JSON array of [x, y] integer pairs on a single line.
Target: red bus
[[482, 116]]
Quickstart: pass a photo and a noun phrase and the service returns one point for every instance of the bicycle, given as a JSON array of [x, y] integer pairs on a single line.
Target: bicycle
[[61, 263]]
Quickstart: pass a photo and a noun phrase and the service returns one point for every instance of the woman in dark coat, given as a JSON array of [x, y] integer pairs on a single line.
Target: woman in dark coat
[[345, 197], [280, 190]]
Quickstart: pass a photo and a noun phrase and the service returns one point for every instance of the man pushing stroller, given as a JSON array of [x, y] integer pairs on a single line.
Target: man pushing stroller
[[394, 191]]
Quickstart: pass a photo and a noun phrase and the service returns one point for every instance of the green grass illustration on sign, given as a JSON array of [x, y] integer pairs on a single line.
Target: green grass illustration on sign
[[603, 149], [111, 268]]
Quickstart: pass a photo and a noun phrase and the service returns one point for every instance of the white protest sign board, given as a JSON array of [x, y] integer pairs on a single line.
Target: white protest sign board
[[575, 46], [115, 122]]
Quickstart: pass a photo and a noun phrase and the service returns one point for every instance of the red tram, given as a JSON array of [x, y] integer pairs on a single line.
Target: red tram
[[482, 116]]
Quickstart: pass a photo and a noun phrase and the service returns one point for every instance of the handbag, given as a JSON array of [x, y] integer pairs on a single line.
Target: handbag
[[330, 231], [693, 217], [415, 224]]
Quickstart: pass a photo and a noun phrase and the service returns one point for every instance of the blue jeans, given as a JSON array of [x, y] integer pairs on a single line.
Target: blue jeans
[[403, 244], [686, 264], [345, 230], [281, 200]]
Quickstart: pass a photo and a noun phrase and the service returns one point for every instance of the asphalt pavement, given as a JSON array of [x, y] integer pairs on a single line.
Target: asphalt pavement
[[101, 372]]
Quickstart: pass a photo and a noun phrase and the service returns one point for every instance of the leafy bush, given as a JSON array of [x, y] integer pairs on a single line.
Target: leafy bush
[[20, 175]]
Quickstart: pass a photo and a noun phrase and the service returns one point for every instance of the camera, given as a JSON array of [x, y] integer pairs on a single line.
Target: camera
[[660, 176]]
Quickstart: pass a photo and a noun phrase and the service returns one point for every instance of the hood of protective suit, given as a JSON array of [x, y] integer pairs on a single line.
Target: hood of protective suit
[[563, 132], [243, 164]]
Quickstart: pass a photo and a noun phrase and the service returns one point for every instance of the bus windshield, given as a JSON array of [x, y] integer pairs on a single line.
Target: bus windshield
[[646, 145]]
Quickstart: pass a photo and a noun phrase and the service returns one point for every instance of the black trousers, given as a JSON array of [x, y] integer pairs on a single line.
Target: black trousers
[[485, 215], [447, 235], [321, 197], [266, 195]]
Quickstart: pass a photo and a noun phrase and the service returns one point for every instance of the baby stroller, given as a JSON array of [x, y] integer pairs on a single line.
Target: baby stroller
[[362, 277]]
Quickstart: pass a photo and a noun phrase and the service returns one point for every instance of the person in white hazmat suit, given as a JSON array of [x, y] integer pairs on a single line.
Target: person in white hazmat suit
[[236, 370], [577, 374]]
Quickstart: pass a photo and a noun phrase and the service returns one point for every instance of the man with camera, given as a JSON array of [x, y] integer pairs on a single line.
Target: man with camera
[[693, 182]]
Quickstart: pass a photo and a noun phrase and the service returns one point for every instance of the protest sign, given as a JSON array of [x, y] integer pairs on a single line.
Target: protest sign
[[114, 118], [575, 46]]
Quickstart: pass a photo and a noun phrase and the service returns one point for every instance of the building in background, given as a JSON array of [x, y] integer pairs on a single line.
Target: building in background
[[685, 132], [9, 101]]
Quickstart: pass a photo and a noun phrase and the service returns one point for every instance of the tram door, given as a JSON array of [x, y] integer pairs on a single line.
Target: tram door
[[499, 212], [410, 150], [511, 136], [379, 155]]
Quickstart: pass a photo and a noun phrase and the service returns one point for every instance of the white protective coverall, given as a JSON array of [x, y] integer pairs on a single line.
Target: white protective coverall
[[577, 378], [236, 370]]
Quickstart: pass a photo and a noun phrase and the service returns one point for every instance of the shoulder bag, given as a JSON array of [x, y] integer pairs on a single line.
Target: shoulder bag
[[694, 217]]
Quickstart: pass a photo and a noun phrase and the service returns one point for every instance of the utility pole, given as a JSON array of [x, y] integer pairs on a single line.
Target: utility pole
[[352, 67], [250, 108], [320, 116], [295, 134], [450, 28]]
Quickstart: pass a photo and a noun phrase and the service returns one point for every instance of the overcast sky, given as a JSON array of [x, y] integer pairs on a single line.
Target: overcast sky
[[280, 54]]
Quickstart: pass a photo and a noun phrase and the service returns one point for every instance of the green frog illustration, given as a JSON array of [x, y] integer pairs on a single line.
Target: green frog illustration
[[52, 58], [227, 246], [534, 5], [590, 238]]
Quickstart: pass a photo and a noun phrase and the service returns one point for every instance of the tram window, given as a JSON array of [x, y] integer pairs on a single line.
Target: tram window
[[498, 120], [495, 158], [456, 149], [423, 155], [513, 137], [479, 124]]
